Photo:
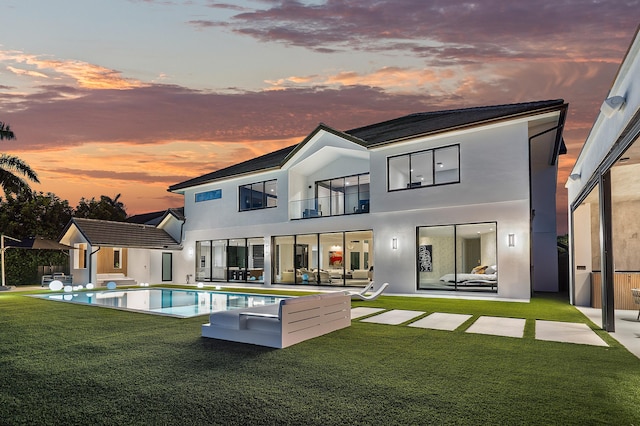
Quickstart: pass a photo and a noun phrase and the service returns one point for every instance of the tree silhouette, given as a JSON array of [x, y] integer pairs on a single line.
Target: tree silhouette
[[12, 168]]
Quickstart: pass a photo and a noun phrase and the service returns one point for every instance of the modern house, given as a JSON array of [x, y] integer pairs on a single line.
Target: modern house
[[604, 200], [447, 202]]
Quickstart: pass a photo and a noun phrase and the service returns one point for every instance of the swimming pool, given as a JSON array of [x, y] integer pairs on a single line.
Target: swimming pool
[[161, 301]]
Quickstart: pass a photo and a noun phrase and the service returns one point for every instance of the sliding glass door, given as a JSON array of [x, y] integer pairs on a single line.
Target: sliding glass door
[[457, 257]]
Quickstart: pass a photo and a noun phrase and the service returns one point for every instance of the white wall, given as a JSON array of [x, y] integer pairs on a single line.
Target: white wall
[[493, 168], [582, 255], [138, 265], [494, 187]]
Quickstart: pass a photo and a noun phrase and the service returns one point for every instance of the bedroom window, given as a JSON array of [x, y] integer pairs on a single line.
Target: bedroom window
[[259, 195], [457, 257], [420, 169]]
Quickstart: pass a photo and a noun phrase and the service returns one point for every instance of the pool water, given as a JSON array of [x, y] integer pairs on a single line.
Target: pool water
[[161, 301]]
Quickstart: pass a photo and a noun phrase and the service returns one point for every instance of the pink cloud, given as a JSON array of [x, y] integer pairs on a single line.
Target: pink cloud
[[445, 29]]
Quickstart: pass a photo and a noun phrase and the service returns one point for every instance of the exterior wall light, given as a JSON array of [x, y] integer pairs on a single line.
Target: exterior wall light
[[394, 243], [512, 240]]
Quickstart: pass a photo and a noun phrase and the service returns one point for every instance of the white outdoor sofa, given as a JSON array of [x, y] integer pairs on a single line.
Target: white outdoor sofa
[[118, 278], [280, 325]]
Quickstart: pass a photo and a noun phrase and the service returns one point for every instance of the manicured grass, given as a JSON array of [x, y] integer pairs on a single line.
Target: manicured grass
[[71, 364]]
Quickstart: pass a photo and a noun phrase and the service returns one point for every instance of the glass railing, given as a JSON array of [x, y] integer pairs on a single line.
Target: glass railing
[[338, 205]]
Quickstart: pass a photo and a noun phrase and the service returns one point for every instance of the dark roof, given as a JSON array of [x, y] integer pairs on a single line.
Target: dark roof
[[122, 234], [154, 218], [425, 123], [413, 125], [267, 161]]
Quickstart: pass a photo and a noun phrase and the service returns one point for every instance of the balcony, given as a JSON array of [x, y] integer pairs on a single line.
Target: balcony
[[336, 205]]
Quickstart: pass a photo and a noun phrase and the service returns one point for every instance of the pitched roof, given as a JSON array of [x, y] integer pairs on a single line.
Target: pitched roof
[[264, 162], [408, 126], [121, 234], [425, 123], [154, 218]]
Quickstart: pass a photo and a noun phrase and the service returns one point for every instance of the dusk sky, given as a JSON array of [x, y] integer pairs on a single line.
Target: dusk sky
[[131, 96]]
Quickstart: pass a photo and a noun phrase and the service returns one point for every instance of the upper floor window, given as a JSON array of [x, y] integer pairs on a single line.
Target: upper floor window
[[424, 168], [208, 195], [260, 195], [343, 195]]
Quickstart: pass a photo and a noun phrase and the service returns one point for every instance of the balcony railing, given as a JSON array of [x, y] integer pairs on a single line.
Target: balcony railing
[[337, 205]]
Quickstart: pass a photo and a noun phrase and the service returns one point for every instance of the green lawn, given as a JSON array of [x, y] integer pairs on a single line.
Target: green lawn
[[71, 364]]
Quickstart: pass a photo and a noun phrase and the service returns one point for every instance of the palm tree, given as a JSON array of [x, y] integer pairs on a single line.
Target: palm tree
[[11, 167]]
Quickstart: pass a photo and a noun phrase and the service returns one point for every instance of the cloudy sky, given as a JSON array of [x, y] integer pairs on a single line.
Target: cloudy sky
[[131, 96]]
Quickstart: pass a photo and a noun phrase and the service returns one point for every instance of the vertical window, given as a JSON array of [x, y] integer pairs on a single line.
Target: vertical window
[[203, 260], [117, 258], [80, 256], [447, 165], [398, 173], [421, 169], [271, 193], [424, 168], [167, 266]]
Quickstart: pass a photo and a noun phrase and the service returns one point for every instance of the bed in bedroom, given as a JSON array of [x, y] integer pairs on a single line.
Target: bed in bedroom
[[479, 276]]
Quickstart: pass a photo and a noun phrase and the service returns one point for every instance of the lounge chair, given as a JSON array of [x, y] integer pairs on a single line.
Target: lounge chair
[[364, 290], [362, 296]]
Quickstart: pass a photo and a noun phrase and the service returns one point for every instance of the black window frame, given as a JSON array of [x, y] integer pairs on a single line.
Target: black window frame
[[412, 184], [254, 189]]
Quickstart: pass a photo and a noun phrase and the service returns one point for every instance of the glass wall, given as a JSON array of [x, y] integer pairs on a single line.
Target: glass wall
[[336, 258], [203, 260], [230, 260], [283, 257], [458, 257], [343, 195]]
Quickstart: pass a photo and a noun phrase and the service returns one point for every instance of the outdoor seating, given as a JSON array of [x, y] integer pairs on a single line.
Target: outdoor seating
[[291, 321], [362, 292], [635, 292], [363, 296]]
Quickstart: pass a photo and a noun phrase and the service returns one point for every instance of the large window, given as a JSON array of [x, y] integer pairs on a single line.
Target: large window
[[259, 195], [424, 168], [239, 259], [343, 195], [337, 258], [457, 257]]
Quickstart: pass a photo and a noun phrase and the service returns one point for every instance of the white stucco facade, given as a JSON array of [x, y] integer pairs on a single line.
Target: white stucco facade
[[505, 180]]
